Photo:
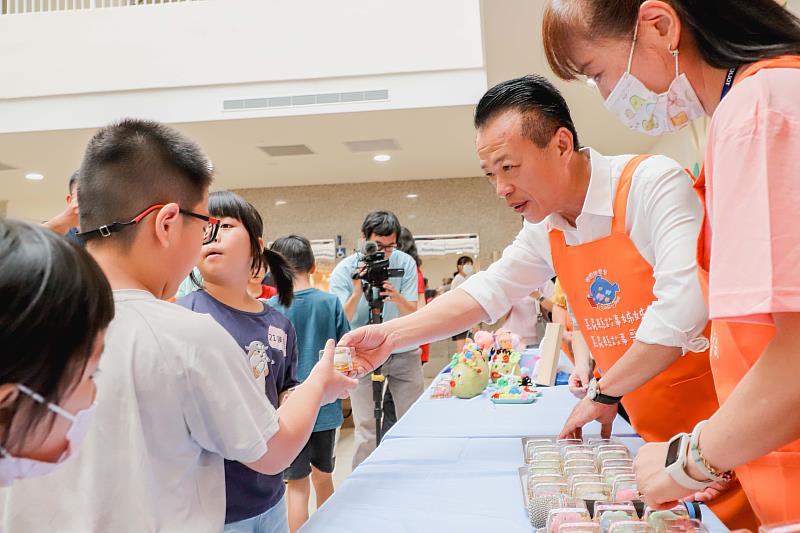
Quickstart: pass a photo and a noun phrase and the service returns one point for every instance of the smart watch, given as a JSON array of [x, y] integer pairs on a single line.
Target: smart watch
[[594, 394], [675, 464]]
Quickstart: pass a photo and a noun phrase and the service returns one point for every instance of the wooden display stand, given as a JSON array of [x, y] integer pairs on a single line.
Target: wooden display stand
[[549, 354]]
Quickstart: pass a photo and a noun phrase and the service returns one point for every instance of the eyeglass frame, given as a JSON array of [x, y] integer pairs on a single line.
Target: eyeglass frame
[[382, 248], [107, 229]]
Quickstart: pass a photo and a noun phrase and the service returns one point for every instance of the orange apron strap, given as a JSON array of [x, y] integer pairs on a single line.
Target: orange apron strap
[[623, 190]]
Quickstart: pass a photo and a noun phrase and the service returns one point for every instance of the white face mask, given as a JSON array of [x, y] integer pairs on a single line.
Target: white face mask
[[468, 269], [645, 111], [14, 468]]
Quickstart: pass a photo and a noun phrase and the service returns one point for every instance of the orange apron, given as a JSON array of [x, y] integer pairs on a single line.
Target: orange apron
[[609, 286], [772, 482]]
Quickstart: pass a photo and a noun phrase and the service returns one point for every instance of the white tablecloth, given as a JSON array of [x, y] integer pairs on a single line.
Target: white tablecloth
[[420, 485], [479, 417]]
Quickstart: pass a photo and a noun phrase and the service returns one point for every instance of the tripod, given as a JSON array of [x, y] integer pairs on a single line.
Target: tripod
[[375, 302]]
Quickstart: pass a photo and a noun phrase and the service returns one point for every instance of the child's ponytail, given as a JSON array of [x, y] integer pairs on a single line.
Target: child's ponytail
[[282, 274]]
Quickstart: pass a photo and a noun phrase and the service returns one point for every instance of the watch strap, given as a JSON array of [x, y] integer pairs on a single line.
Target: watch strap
[[604, 398], [677, 470]]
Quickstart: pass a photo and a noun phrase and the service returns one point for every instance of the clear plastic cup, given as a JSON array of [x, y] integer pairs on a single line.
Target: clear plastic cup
[[545, 455], [567, 515], [599, 441], [613, 453], [592, 491], [575, 470], [532, 450], [577, 448], [611, 473], [624, 488], [580, 527], [544, 489], [632, 526], [532, 443], [585, 478], [544, 467], [615, 463], [579, 462], [579, 454], [607, 513], [656, 518], [342, 358], [685, 525]]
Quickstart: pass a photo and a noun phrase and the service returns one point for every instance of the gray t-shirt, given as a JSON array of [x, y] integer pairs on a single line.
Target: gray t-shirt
[[175, 397]]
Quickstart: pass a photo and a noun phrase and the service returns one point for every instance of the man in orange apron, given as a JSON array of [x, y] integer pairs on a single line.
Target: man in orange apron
[[612, 287], [772, 481], [620, 233]]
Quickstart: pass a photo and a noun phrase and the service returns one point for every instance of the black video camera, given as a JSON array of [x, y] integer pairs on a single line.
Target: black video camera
[[374, 271]]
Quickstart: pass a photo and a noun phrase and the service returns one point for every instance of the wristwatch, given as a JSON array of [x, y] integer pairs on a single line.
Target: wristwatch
[[594, 394], [675, 464]]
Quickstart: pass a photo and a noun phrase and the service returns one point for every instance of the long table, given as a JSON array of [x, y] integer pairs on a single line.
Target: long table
[[479, 417], [451, 466]]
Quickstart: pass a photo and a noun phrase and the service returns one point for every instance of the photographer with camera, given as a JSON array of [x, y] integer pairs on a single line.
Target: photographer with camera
[[390, 279]]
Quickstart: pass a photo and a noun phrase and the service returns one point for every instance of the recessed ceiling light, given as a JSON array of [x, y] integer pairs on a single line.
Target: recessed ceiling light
[[382, 158], [412, 196], [279, 203], [34, 176]]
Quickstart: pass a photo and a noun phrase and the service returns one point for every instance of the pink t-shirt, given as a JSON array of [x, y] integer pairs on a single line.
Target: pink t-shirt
[[753, 198]]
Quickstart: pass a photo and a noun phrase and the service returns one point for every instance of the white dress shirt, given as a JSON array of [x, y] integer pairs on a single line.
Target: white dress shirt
[[663, 221]]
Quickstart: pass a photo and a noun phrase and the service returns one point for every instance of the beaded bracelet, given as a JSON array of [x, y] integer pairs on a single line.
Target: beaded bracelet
[[701, 462]]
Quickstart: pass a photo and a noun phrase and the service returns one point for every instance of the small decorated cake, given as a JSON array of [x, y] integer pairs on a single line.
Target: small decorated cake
[[470, 373], [511, 390], [505, 362]]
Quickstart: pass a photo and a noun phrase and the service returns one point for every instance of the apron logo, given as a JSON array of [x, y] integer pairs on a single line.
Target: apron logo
[[603, 294], [258, 358]]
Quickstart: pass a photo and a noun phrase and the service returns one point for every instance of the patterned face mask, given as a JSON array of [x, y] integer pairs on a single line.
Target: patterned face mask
[[647, 112]]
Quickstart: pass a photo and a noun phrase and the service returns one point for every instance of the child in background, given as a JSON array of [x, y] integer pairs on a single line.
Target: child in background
[[317, 316], [255, 502]]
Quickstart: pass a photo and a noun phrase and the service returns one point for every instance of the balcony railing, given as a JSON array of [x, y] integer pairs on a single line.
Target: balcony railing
[[20, 7]]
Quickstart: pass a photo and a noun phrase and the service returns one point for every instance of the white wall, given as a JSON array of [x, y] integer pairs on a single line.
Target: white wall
[[233, 41]]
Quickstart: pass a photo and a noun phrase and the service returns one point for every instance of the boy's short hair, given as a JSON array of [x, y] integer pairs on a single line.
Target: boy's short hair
[[73, 181], [297, 251], [382, 223], [133, 164]]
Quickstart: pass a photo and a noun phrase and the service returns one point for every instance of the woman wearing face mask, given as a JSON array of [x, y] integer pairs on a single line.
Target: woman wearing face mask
[[660, 65], [57, 305], [464, 269]]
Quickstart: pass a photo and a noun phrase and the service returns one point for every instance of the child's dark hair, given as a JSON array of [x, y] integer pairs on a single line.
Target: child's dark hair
[[297, 252], [406, 243], [55, 302], [228, 204], [133, 164]]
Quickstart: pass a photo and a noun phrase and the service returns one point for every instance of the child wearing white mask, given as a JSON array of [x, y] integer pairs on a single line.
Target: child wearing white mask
[[47, 392]]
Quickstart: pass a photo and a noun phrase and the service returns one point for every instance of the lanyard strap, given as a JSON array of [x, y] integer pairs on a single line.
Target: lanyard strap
[[726, 87]]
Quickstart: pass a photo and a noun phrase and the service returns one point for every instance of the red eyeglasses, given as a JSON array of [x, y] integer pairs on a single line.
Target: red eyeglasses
[[211, 230]]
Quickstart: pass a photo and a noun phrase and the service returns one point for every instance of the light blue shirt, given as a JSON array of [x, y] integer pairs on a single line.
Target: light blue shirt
[[342, 286]]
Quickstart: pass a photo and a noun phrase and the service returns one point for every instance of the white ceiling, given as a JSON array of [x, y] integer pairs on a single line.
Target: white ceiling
[[434, 143]]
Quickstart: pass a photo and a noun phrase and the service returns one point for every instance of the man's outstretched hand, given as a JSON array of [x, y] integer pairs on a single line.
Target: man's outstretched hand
[[372, 348]]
